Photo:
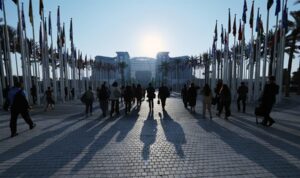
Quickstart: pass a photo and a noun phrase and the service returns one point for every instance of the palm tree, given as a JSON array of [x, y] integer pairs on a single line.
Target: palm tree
[[122, 65], [292, 46]]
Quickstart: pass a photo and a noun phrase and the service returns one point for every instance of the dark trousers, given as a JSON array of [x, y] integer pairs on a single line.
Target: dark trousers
[[114, 107], [267, 117], [243, 102], [227, 109], [88, 107], [127, 106], [14, 117], [163, 102], [151, 104], [104, 106]]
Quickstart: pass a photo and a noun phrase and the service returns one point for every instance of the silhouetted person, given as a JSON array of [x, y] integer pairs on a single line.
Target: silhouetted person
[[163, 94], [19, 105], [115, 94], [225, 101], [192, 96], [73, 93], [122, 93], [66, 93], [207, 98], [150, 96], [242, 96], [33, 93], [184, 95], [88, 101], [268, 100], [49, 99], [217, 94], [103, 96], [139, 94], [134, 94], [128, 97]]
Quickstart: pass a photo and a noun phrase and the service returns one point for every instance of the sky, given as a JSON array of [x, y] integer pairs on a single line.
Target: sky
[[143, 27]]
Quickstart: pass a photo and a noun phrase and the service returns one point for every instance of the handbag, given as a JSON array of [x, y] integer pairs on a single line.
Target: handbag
[[158, 101]]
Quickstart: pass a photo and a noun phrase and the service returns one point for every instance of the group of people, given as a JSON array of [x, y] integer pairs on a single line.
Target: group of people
[[222, 99]]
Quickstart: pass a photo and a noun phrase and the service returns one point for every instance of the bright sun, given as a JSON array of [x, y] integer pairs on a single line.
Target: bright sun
[[151, 44]]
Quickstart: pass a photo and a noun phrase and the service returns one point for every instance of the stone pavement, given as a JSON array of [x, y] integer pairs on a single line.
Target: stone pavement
[[175, 143]]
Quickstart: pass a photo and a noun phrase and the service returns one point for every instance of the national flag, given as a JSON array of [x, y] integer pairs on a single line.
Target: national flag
[[63, 35], [277, 10], [49, 24], [240, 37], [15, 1], [58, 18], [257, 29], [41, 36], [45, 29], [245, 12], [23, 18], [41, 7], [71, 30], [229, 22], [30, 12], [234, 26], [226, 39], [222, 34], [251, 15], [1, 1], [216, 32], [270, 3], [285, 18]]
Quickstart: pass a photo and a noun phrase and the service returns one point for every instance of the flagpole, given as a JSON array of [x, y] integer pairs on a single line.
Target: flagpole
[[16, 60], [2, 79], [275, 49]]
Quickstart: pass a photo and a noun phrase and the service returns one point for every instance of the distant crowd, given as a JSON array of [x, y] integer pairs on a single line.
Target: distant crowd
[[17, 103]]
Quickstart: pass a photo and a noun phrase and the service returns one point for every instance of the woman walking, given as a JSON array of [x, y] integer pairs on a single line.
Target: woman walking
[[207, 98], [192, 95], [151, 96], [225, 101]]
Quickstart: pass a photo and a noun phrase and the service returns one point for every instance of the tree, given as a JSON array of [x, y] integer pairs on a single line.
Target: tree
[[292, 37]]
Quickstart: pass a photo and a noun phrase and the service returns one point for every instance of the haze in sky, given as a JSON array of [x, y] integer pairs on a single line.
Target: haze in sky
[[143, 27]]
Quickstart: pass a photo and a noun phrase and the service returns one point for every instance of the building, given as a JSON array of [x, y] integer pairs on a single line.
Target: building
[[142, 70]]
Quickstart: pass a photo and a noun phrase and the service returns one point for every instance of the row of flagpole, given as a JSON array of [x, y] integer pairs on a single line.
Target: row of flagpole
[[233, 62], [72, 62]]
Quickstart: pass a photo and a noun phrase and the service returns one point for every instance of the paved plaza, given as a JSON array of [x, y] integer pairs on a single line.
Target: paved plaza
[[175, 143]]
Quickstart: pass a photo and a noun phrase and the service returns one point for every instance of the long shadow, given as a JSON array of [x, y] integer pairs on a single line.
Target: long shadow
[[289, 125], [57, 154], [122, 127], [252, 150], [148, 135], [173, 132], [36, 141]]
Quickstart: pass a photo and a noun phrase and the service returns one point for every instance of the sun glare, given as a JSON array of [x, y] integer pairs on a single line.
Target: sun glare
[[151, 44]]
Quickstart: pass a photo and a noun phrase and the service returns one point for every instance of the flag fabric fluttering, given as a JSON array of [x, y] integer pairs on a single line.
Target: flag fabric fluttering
[[71, 30], [16, 1], [277, 10], [216, 32], [1, 1], [41, 8], [229, 22], [234, 26], [49, 24], [285, 18], [63, 35], [270, 3], [245, 12], [58, 18], [251, 15], [240, 37], [30, 12], [23, 18], [257, 29], [222, 34]]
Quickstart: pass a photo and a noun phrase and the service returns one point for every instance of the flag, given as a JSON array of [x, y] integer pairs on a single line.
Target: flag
[[270, 3], [222, 34], [245, 12], [23, 18], [277, 10], [251, 15], [285, 18], [49, 24], [41, 7], [234, 26], [240, 37], [41, 37], [63, 35], [15, 1], [30, 12], [71, 30], [58, 18], [257, 29], [229, 22], [45, 29], [216, 32], [226, 38], [1, 1]]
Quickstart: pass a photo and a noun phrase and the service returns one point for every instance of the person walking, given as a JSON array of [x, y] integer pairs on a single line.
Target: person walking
[[115, 94], [268, 100], [207, 99], [242, 96], [88, 100], [18, 105], [225, 101], [184, 95], [218, 89], [49, 99], [103, 96], [33, 93], [150, 96], [192, 97], [163, 94], [139, 95], [128, 97]]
